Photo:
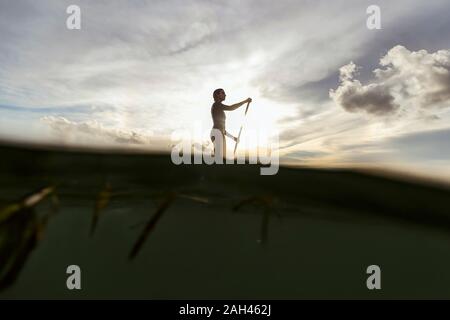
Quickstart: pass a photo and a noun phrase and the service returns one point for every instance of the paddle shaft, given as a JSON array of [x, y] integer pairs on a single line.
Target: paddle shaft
[[240, 131]]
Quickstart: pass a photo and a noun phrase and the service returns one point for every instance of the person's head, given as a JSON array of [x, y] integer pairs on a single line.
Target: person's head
[[219, 95]]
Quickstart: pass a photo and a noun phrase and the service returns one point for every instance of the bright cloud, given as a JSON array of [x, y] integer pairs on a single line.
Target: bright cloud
[[407, 80], [92, 132]]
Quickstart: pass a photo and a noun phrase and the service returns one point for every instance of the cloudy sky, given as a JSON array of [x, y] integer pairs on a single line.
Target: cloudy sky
[[336, 93]]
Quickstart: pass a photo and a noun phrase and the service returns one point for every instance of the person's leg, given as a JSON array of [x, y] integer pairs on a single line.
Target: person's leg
[[224, 143], [218, 140]]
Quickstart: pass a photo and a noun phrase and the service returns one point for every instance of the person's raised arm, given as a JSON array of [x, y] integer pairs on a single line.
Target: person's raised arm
[[236, 105]]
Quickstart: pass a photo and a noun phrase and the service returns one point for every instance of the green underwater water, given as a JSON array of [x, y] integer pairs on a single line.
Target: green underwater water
[[215, 232]]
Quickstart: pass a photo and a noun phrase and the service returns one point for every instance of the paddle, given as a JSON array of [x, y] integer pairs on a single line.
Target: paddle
[[240, 131]]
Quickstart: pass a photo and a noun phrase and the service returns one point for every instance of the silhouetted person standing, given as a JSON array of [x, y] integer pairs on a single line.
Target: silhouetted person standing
[[218, 114]]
